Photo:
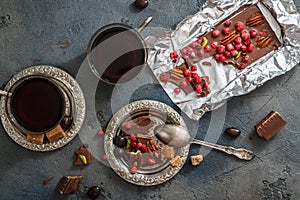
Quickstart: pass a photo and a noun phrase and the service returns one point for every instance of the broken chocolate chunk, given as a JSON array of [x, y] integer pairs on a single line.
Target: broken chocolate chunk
[[270, 125], [84, 156], [68, 184], [137, 125]]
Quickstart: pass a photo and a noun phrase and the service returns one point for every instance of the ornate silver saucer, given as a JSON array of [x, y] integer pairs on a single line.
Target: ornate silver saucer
[[75, 106], [150, 175]]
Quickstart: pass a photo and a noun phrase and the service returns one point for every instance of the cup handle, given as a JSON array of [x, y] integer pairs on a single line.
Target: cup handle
[[144, 24]]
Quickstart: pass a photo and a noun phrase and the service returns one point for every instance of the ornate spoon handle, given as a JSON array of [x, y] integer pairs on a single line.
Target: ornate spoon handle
[[240, 153]]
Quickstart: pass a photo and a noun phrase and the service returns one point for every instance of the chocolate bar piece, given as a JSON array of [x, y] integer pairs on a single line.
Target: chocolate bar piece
[[84, 156], [35, 138], [270, 125], [68, 184], [55, 134], [139, 125]]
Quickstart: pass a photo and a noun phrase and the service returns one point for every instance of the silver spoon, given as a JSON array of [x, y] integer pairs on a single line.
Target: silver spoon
[[178, 136]]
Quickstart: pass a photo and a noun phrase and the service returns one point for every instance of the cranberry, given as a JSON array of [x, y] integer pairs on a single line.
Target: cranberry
[[187, 72], [173, 55], [185, 57], [197, 79], [104, 157], [100, 132], [177, 90], [263, 32], [229, 47], [133, 144], [132, 138], [207, 48], [253, 33], [250, 48], [214, 45], [192, 55], [227, 54], [205, 86], [221, 49], [139, 145], [141, 3], [194, 68], [144, 148], [245, 58], [201, 53], [127, 126], [194, 45], [226, 31], [151, 161], [242, 66], [200, 40], [247, 42], [238, 40], [237, 47], [244, 48], [245, 35], [198, 89], [227, 23], [194, 75], [215, 33], [189, 79], [239, 26], [222, 59], [217, 57], [164, 78], [234, 53], [183, 51], [189, 49], [133, 169], [183, 84]]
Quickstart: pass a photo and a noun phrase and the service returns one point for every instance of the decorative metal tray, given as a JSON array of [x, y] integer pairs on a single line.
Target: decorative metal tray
[[75, 104], [150, 175]]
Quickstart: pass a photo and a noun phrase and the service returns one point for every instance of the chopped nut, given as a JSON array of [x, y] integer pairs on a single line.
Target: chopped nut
[[229, 38], [255, 20], [263, 41], [196, 160], [175, 161]]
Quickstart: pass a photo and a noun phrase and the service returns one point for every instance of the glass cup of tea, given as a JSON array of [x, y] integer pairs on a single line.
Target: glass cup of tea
[[117, 52]]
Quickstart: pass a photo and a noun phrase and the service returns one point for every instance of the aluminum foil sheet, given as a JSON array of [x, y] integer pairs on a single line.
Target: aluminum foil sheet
[[226, 82]]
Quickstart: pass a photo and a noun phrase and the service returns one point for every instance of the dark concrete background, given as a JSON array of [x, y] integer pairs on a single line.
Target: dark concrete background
[[56, 33]]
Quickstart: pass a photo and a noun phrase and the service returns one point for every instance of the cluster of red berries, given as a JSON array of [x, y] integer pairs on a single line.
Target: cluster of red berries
[[196, 49], [136, 144]]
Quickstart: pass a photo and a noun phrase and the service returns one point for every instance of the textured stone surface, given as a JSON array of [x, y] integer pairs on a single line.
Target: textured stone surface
[[56, 33]]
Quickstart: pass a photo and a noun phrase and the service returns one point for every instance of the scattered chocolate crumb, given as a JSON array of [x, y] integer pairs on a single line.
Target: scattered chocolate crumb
[[46, 181]]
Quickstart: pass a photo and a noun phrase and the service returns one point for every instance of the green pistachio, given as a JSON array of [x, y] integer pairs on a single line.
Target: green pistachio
[[83, 159]]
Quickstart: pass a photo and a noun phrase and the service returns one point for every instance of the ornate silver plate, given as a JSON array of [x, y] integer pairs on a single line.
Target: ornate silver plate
[[75, 104], [146, 176]]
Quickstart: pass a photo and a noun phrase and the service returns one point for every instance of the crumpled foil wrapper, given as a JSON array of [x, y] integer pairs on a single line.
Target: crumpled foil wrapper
[[226, 82]]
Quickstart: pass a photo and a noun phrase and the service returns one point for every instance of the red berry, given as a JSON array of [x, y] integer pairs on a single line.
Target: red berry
[[183, 84], [238, 40], [194, 45], [244, 48], [222, 59], [197, 79], [189, 79], [242, 66], [139, 145], [194, 75], [192, 54], [221, 49], [239, 26], [151, 161], [214, 45], [177, 90], [227, 23], [127, 126], [185, 57], [144, 148], [133, 169], [263, 32], [164, 78], [187, 72], [227, 54], [207, 48], [201, 53], [250, 48], [245, 58], [198, 89], [253, 33], [245, 35], [229, 47], [132, 138], [173, 55], [234, 53], [189, 49], [183, 51], [100, 132], [217, 57], [226, 31], [247, 42], [104, 157], [133, 144], [215, 33], [200, 40], [194, 68], [237, 47]]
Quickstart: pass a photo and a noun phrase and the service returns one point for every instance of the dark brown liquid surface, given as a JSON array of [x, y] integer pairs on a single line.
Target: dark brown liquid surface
[[118, 55], [37, 104]]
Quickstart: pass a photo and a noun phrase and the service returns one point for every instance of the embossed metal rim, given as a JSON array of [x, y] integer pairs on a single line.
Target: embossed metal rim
[[79, 104], [123, 172]]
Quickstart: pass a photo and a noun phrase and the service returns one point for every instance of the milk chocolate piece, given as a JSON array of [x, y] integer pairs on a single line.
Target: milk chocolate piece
[[83, 150], [55, 134], [35, 138], [270, 125], [68, 184], [139, 125]]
